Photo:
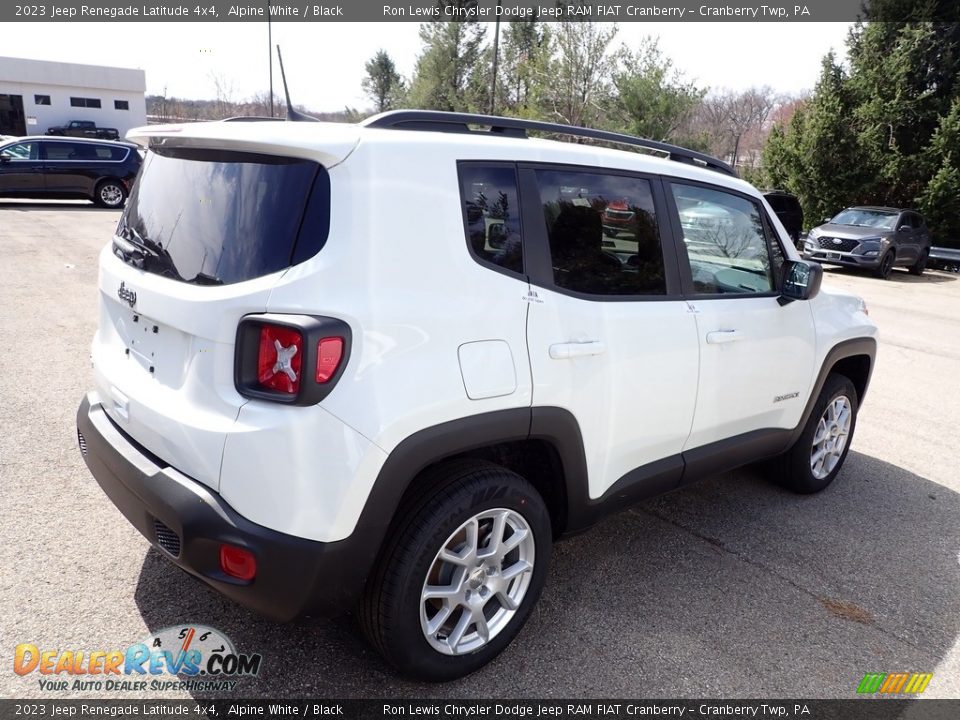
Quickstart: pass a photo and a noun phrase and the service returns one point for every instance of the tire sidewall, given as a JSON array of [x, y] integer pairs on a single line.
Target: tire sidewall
[[416, 656], [834, 387], [98, 199]]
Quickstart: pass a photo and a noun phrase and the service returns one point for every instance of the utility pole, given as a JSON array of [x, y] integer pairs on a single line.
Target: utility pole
[[496, 58], [270, 54]]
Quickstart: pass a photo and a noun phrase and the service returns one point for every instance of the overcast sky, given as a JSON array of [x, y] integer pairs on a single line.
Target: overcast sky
[[324, 61]]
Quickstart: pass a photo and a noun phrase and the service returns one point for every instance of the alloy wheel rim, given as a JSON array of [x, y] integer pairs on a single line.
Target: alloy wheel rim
[[477, 581], [830, 438], [110, 194]]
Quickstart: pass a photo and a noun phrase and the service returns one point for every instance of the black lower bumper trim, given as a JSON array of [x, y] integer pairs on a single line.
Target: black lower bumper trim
[[294, 576]]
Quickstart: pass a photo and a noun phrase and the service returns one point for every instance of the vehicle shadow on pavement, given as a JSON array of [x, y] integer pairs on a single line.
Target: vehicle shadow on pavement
[[731, 587]]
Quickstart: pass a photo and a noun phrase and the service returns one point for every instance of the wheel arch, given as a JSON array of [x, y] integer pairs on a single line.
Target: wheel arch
[[543, 445], [852, 358]]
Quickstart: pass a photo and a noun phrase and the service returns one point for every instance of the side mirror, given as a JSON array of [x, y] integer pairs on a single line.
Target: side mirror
[[801, 280]]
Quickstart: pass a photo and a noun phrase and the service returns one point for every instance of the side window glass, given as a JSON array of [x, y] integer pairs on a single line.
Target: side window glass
[[63, 151], [492, 214], [22, 151], [603, 233], [725, 240]]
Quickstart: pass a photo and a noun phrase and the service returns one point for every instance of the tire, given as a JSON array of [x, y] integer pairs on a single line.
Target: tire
[[796, 469], [921, 264], [110, 194], [886, 266], [434, 638]]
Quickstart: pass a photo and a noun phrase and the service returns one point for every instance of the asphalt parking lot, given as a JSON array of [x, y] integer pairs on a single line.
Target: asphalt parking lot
[[730, 588]]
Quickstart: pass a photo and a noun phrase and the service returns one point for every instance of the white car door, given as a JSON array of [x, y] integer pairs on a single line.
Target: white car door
[[756, 354], [609, 337]]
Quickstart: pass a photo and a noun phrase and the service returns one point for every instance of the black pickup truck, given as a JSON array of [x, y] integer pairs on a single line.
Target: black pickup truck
[[85, 129]]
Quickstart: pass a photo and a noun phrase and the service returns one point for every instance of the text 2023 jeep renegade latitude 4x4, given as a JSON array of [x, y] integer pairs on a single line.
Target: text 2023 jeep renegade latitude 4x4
[[384, 366]]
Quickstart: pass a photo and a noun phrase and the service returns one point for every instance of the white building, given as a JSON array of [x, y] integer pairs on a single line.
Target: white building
[[36, 95]]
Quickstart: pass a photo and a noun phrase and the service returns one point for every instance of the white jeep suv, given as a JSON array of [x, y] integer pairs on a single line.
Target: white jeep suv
[[382, 367]]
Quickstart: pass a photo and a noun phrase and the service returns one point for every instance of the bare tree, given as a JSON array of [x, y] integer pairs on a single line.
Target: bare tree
[[577, 81], [223, 92]]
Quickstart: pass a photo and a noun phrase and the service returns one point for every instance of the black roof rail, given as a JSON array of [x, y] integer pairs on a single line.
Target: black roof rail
[[251, 118], [454, 122]]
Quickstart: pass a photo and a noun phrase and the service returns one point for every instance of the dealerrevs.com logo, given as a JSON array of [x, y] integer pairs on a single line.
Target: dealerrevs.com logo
[[185, 657]]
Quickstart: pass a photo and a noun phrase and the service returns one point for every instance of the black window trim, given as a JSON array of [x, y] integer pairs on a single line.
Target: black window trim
[[503, 164], [686, 272], [116, 104], [537, 241], [40, 99]]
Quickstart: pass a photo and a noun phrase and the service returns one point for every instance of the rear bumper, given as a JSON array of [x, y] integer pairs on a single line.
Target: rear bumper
[[187, 522]]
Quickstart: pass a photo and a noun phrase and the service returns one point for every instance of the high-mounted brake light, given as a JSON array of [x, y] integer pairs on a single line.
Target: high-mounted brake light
[[279, 359], [329, 354]]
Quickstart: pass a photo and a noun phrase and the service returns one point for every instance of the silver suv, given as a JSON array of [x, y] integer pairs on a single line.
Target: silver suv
[[873, 238]]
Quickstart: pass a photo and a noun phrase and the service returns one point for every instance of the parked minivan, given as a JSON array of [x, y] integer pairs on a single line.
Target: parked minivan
[[68, 169], [383, 367]]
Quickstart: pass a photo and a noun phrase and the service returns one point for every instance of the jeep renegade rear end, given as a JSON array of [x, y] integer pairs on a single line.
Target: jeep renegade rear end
[[381, 367]]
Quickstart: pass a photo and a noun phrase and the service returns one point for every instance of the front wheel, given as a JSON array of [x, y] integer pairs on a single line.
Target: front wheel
[[818, 454], [885, 267], [464, 570]]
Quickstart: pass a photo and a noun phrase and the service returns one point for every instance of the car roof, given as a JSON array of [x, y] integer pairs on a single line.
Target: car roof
[[68, 138], [332, 143]]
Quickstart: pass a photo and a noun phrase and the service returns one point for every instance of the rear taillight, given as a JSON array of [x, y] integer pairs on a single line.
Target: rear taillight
[[279, 359], [294, 359]]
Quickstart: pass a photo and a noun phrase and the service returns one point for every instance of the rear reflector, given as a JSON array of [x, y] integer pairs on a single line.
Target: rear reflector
[[238, 562], [279, 359], [329, 354]]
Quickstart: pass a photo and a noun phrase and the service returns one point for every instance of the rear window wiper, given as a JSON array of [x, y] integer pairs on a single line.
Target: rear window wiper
[[204, 279], [143, 250]]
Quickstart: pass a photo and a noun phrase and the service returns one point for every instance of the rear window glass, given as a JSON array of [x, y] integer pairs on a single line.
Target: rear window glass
[[219, 217]]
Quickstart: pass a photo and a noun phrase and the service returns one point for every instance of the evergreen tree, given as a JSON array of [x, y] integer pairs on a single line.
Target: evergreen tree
[[449, 70], [383, 84], [652, 96]]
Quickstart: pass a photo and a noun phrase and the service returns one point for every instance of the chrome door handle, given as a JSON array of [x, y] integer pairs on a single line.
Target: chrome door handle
[[565, 351], [718, 337]]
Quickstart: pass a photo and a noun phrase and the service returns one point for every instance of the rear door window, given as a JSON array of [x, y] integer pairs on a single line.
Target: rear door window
[[603, 233], [68, 151], [218, 217]]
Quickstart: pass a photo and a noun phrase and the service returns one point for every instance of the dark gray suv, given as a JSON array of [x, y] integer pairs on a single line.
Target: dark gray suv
[[873, 238]]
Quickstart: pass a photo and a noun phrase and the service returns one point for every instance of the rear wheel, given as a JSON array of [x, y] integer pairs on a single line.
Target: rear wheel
[[921, 264], [818, 454], [464, 570], [110, 194], [886, 266]]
